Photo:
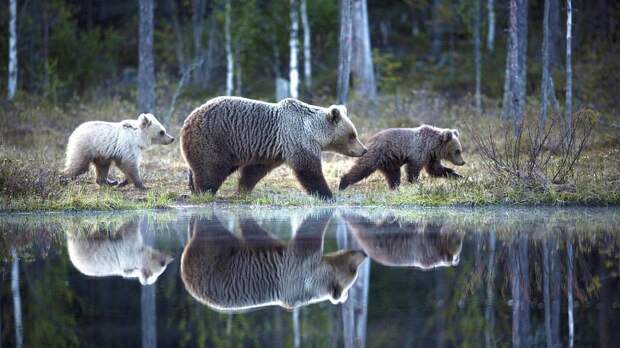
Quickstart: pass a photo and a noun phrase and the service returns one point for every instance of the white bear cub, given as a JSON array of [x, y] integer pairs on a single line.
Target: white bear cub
[[120, 142]]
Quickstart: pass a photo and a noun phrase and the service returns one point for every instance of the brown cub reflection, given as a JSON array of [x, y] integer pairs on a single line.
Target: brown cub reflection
[[407, 244], [230, 274], [100, 252]]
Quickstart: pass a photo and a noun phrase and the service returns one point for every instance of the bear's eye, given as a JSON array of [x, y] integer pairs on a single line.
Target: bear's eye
[[352, 136], [458, 152], [162, 133]]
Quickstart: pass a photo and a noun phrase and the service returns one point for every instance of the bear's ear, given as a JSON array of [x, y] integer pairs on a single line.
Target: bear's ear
[[128, 124], [446, 135], [456, 133], [144, 120], [335, 114]]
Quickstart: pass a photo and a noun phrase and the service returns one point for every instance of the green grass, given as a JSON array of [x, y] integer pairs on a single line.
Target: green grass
[[29, 170]]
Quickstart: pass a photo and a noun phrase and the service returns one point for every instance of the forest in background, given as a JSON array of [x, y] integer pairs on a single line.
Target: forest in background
[[475, 65], [89, 49]]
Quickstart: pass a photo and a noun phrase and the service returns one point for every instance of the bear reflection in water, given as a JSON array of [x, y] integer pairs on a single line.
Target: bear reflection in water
[[100, 252], [391, 242], [231, 274]]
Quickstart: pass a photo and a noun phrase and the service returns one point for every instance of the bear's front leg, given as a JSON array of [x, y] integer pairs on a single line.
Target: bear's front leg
[[435, 169], [309, 172], [131, 173], [392, 176]]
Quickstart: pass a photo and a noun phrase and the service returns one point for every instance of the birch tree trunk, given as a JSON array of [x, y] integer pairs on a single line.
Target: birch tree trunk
[[477, 54], [569, 73], [344, 51], [307, 46], [569, 289], [12, 83], [491, 25], [361, 60], [229, 54], [146, 64], [178, 36], [294, 47], [17, 300]]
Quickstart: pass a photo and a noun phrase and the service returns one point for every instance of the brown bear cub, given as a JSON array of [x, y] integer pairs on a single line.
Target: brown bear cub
[[417, 148], [230, 133]]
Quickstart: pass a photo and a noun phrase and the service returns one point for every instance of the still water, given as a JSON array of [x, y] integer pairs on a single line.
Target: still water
[[266, 277]]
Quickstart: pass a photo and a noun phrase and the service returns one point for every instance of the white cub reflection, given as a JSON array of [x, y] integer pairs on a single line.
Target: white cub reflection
[[233, 274], [100, 251]]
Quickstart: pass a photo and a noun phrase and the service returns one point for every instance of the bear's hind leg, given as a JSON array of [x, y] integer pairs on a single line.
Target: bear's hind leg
[[435, 169], [392, 176], [76, 167], [252, 174], [413, 171], [360, 171], [211, 177], [102, 167]]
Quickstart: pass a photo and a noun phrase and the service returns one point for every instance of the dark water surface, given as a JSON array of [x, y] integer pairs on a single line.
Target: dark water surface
[[246, 277]]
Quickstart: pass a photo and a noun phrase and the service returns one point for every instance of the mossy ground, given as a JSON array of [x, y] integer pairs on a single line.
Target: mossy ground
[[32, 151]]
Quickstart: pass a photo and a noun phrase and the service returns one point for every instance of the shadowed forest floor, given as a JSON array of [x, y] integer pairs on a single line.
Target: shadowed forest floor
[[32, 155]]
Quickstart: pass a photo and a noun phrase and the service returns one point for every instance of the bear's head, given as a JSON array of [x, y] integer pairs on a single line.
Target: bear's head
[[342, 269], [342, 137], [154, 263], [451, 149], [155, 132]]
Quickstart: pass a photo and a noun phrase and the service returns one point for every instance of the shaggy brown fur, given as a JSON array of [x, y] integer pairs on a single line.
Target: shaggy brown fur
[[417, 148], [228, 133], [391, 242]]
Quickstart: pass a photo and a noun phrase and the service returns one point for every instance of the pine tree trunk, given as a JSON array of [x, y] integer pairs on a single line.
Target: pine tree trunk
[[569, 73], [148, 310], [544, 85], [178, 36], [146, 64], [361, 60], [198, 13], [551, 292], [520, 285], [229, 54], [491, 25], [212, 49], [17, 300], [515, 82], [12, 83], [569, 288], [489, 312], [477, 54], [296, 329], [436, 31], [238, 76], [294, 47], [344, 51], [307, 46], [555, 35]]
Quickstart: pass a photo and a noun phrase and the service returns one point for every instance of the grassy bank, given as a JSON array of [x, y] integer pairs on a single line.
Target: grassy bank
[[31, 157]]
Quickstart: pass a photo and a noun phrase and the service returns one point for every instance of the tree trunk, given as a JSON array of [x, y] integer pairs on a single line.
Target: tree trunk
[[520, 286], [238, 76], [17, 300], [146, 64], [555, 35], [491, 25], [344, 51], [477, 54], [569, 73], [437, 32], [294, 47], [178, 36], [198, 14], [489, 312], [12, 84], [307, 47], [296, 329], [229, 54], [544, 85], [516, 70], [361, 60], [148, 310], [212, 50], [551, 295], [569, 290]]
